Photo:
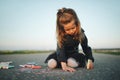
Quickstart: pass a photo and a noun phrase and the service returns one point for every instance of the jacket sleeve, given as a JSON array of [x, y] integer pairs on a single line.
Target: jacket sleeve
[[61, 54], [87, 49]]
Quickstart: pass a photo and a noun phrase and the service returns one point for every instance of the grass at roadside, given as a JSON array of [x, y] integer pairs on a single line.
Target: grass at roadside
[[24, 51], [107, 51], [100, 51], [113, 53]]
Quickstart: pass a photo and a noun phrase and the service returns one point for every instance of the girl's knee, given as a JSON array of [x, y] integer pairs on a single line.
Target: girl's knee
[[72, 62], [52, 63]]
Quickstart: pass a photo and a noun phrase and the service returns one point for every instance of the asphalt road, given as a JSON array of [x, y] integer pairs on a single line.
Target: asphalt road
[[106, 67]]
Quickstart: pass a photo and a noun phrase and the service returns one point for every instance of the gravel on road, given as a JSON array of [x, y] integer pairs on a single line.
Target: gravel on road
[[106, 67]]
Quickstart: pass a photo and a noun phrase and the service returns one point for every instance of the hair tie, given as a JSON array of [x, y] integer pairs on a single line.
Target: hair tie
[[61, 11]]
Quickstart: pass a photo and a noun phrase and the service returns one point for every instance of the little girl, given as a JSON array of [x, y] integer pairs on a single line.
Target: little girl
[[69, 36]]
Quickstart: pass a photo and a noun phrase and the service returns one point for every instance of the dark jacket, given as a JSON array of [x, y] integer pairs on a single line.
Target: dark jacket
[[71, 46]]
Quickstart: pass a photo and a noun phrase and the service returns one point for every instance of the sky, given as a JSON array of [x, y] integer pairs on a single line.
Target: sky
[[31, 24]]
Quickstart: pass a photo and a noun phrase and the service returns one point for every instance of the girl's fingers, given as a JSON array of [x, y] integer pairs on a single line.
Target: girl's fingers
[[90, 65], [69, 69]]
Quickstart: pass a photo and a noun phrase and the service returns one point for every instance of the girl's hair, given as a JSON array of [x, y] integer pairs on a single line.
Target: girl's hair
[[65, 16]]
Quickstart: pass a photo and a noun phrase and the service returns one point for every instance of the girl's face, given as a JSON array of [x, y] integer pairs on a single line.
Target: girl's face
[[70, 28]]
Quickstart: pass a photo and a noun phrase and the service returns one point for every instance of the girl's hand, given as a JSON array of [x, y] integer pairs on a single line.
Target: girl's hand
[[90, 64], [67, 68]]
